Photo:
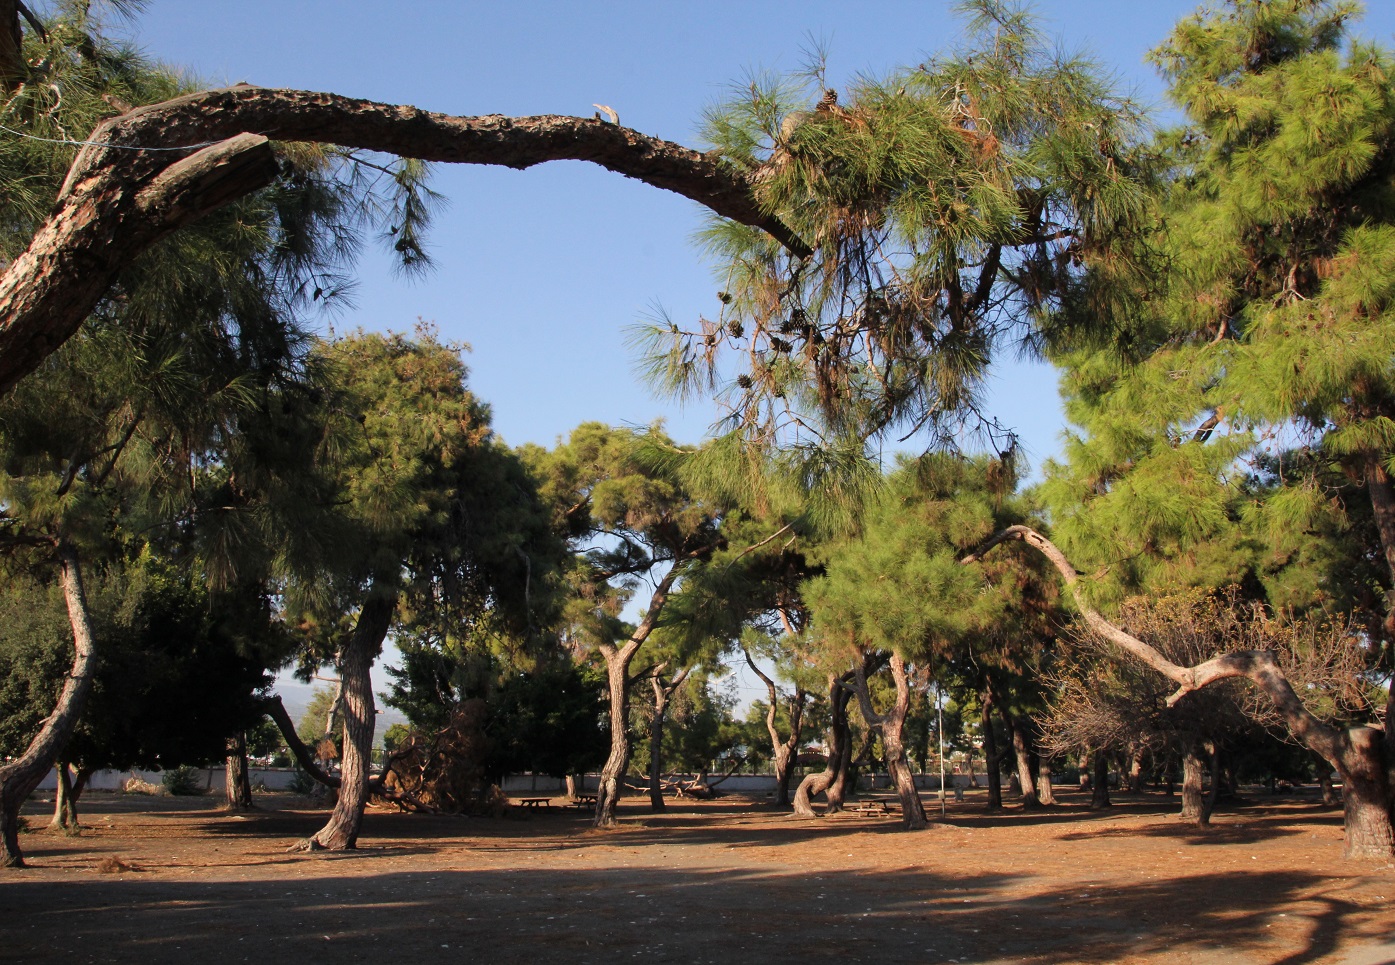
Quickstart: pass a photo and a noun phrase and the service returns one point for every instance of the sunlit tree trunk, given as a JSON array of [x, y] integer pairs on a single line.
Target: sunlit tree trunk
[[360, 718]]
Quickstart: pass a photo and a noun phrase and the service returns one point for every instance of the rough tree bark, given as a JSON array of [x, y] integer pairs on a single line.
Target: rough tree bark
[[19, 777], [662, 692], [617, 667], [116, 202], [892, 725], [1046, 796], [360, 717], [65, 816], [785, 749], [1026, 783], [237, 782], [1359, 754], [1193, 799]]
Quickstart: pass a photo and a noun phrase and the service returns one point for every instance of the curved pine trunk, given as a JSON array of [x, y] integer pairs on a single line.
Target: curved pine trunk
[[612, 779], [19, 777], [897, 764], [360, 716], [1364, 756], [656, 748]]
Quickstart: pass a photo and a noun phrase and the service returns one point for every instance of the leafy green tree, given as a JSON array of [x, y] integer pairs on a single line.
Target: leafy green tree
[[1266, 326], [897, 591], [181, 672], [948, 206], [621, 498], [423, 502]]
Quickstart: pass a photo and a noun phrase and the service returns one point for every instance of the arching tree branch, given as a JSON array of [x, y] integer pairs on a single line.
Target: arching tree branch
[[132, 184]]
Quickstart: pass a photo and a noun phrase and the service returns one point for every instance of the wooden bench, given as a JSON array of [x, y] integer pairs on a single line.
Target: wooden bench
[[534, 802]]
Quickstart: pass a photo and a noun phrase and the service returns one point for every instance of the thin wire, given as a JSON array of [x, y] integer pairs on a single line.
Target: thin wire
[[118, 147]]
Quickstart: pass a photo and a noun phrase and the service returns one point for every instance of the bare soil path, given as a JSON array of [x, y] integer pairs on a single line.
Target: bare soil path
[[176, 880]]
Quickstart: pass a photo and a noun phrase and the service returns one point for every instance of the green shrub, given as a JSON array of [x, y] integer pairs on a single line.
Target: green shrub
[[184, 779]]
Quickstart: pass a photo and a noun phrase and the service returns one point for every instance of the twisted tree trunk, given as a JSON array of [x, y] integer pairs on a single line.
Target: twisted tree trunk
[[19, 777], [838, 739], [662, 692], [991, 755], [617, 666], [784, 749], [892, 725]]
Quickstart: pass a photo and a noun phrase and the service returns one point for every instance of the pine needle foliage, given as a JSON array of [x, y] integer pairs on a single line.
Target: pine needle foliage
[[948, 205], [1247, 390]]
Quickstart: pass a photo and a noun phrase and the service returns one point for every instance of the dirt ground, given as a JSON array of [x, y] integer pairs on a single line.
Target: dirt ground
[[724, 882]]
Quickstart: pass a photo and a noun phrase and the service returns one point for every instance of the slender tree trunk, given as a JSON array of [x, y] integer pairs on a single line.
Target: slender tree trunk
[[237, 782], [18, 778], [572, 785], [845, 773], [662, 692], [617, 665], [1208, 804], [1099, 792], [65, 816], [784, 751], [1022, 755], [360, 718], [991, 756], [893, 725], [612, 779], [1045, 794], [656, 747], [1192, 809]]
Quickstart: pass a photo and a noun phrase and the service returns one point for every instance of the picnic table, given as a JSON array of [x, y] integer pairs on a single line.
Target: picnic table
[[584, 801], [872, 807], [534, 802]]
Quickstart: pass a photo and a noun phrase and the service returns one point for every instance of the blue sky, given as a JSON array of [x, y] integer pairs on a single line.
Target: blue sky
[[542, 271]]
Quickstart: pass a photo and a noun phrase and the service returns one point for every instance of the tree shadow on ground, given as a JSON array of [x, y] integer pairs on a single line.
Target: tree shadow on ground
[[604, 914]]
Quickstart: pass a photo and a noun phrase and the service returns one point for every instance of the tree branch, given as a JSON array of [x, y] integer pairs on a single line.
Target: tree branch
[[131, 184], [1260, 667]]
